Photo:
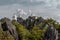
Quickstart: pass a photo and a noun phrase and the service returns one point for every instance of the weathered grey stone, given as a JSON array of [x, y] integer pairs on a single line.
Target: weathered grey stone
[[51, 33], [7, 26], [12, 30]]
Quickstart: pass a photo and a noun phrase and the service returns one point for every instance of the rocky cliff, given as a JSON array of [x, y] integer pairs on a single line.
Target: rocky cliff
[[29, 29]]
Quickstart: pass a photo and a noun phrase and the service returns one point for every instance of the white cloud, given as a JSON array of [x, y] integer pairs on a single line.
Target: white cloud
[[45, 8]]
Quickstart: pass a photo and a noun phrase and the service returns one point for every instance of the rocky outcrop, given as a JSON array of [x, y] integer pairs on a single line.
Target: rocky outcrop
[[31, 21], [7, 26], [51, 33]]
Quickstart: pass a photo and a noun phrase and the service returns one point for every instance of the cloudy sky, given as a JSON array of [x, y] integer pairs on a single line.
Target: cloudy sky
[[44, 8]]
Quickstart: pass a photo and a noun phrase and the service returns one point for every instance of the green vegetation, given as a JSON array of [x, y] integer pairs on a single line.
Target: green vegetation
[[35, 33], [22, 31]]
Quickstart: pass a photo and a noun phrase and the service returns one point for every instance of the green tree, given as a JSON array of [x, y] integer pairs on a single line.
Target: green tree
[[37, 33], [22, 31]]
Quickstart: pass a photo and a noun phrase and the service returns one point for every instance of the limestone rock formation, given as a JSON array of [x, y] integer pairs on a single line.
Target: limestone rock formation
[[51, 33], [7, 26], [10, 30], [31, 21]]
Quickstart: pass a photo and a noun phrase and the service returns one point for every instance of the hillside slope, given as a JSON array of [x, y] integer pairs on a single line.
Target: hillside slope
[[31, 28]]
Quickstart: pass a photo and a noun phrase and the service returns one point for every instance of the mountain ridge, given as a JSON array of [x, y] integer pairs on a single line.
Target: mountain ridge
[[31, 28]]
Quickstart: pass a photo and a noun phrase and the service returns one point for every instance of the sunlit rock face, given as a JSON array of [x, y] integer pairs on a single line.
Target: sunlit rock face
[[51, 33], [7, 26]]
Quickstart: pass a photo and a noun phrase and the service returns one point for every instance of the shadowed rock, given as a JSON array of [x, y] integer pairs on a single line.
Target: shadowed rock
[[51, 33]]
